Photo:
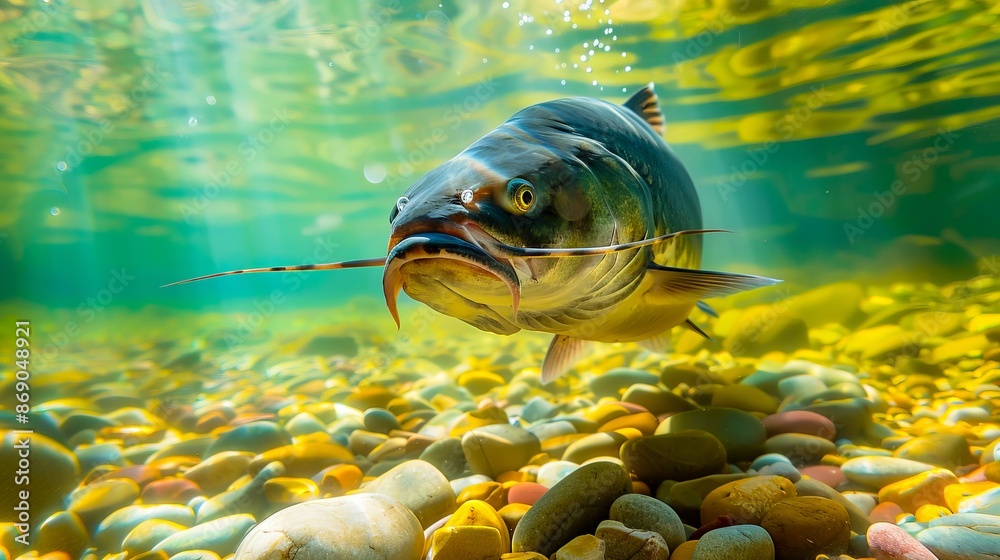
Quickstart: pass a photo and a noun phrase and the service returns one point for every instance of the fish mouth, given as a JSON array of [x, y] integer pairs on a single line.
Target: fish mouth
[[458, 243]]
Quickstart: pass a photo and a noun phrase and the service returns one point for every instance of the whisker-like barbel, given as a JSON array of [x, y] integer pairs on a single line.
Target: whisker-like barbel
[[380, 261]]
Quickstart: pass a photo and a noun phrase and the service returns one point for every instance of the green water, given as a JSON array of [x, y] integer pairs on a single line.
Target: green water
[[145, 142]]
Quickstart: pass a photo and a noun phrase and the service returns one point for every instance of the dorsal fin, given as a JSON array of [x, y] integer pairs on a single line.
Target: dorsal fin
[[647, 105]]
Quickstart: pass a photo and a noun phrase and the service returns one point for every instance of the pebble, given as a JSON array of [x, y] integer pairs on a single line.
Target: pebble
[[919, 489], [876, 472], [552, 472], [574, 506], [255, 437], [593, 446], [645, 513], [674, 456], [221, 536], [942, 450], [368, 526], [216, 473], [248, 497], [889, 542], [824, 521], [746, 500], [476, 513], [418, 486], [148, 534], [92, 503], [63, 531], [303, 459], [584, 547], [494, 449], [614, 382], [526, 493], [115, 527], [800, 449], [656, 400], [741, 433], [739, 542], [50, 462], [625, 543], [961, 543], [447, 456]]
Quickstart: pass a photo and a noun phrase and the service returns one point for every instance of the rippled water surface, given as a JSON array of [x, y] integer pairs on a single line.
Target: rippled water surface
[[168, 139]]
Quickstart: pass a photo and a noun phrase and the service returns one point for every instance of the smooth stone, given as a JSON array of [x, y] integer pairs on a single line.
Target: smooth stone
[[859, 520], [806, 526], [498, 448], [987, 502], [739, 542], [512, 514], [63, 531], [537, 409], [768, 459], [115, 527], [355, 527], [99, 454], [767, 381], [591, 446], [645, 513], [249, 498], [480, 382], [655, 400], [689, 495], [966, 520], [420, 487], [552, 472], [584, 547], [289, 490], [303, 459], [380, 420], [216, 473], [836, 303], [195, 555], [477, 513], [50, 462], [170, 491], [864, 502], [221, 536], [886, 512], [799, 422], [551, 429], [800, 386], [741, 433], [673, 456], [759, 330], [744, 397], [304, 423], [523, 556], [493, 493], [460, 484], [942, 450], [644, 422], [801, 449], [614, 382], [829, 475], [92, 503], [889, 542], [876, 472], [969, 414], [148, 534], [447, 456], [140, 474], [255, 437], [339, 479], [189, 447], [851, 417], [574, 506], [626, 543], [962, 543], [920, 489], [526, 493], [466, 542], [746, 500], [783, 470]]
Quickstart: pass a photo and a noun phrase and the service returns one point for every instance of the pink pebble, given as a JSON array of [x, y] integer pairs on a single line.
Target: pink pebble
[[889, 542], [170, 491], [886, 511], [632, 408], [829, 475], [525, 493], [800, 422]]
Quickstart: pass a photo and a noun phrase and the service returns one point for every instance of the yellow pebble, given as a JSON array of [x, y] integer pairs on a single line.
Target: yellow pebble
[[955, 493], [462, 543], [630, 433], [512, 513], [514, 476], [290, 490], [476, 513], [603, 413], [929, 512], [920, 489], [493, 493]]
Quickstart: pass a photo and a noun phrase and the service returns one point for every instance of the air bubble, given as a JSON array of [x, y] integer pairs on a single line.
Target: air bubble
[[61, 166], [192, 121], [210, 100]]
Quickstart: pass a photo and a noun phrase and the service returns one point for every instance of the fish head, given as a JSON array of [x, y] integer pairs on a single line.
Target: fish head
[[453, 231]]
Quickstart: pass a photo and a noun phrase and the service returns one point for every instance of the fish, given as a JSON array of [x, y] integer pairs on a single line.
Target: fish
[[574, 217]]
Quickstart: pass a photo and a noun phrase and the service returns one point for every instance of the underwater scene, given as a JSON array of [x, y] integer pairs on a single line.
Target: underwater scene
[[500, 279]]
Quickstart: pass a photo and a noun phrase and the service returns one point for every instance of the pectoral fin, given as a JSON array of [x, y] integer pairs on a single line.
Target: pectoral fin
[[682, 285], [563, 353], [691, 325], [659, 344], [707, 309]]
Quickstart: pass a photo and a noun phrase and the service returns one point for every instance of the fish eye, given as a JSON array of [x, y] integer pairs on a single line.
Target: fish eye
[[397, 208], [522, 194]]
